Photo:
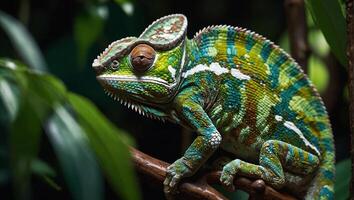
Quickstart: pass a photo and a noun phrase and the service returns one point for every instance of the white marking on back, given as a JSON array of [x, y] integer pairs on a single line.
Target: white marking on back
[[196, 69], [217, 70], [278, 118], [294, 128], [239, 75]]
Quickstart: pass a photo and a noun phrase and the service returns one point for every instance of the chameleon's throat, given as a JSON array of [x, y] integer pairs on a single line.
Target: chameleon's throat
[[136, 106]]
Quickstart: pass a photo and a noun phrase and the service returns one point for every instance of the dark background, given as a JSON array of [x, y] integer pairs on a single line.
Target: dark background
[[52, 24]]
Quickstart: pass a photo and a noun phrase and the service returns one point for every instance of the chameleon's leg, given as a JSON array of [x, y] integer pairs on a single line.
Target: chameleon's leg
[[274, 156], [203, 146]]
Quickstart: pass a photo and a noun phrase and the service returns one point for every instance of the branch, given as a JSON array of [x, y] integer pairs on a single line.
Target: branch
[[200, 189], [297, 29], [350, 54]]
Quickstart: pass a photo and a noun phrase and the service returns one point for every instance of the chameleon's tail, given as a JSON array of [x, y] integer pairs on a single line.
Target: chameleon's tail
[[323, 183]]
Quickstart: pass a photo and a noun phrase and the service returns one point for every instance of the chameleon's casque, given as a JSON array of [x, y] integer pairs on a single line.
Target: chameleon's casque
[[241, 93]]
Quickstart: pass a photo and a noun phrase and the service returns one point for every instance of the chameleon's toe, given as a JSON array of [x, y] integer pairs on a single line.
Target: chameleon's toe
[[170, 183], [174, 174], [227, 176], [227, 180]]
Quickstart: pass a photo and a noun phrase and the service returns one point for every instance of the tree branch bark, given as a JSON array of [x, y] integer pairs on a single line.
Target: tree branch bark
[[350, 54], [200, 188], [297, 29]]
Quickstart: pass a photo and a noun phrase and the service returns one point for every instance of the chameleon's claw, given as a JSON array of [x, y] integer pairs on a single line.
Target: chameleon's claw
[[171, 181]]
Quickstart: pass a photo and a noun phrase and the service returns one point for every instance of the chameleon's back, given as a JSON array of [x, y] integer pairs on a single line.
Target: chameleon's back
[[270, 97]]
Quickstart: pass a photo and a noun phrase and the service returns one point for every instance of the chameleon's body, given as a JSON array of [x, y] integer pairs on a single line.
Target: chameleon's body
[[238, 91]]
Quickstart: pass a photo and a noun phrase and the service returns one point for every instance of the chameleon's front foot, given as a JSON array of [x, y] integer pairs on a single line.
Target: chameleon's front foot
[[174, 174]]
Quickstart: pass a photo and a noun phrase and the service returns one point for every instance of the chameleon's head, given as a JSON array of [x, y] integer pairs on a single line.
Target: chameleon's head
[[145, 69]]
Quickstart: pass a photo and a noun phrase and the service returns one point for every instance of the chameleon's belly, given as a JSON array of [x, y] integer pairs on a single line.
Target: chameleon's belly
[[239, 148]]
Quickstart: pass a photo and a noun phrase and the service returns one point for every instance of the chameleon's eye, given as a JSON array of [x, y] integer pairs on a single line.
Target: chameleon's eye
[[114, 64], [142, 57]]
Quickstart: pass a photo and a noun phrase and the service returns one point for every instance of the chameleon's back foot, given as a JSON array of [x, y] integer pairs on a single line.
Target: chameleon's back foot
[[236, 167], [275, 156]]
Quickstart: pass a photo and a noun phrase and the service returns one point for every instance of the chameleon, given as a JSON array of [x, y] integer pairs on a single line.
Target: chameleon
[[240, 93]]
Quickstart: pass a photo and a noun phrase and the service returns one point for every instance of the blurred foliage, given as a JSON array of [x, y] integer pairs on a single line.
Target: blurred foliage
[[91, 16], [329, 17], [127, 6], [42, 100], [318, 43], [343, 174], [23, 41], [318, 73], [70, 145]]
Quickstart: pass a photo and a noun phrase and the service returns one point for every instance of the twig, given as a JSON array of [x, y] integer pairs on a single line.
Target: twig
[[350, 54], [297, 28], [200, 189]]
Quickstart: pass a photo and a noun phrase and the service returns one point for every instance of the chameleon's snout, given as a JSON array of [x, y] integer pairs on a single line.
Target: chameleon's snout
[[97, 67]]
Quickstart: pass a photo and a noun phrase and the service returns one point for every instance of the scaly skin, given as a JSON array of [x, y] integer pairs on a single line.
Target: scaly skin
[[238, 91]]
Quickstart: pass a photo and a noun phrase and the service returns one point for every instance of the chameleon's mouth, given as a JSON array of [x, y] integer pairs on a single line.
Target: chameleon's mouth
[[127, 78], [112, 82]]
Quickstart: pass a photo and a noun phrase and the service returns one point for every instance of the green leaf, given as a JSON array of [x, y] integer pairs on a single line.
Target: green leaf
[[88, 26], [24, 145], [328, 16], [24, 43], [9, 98], [343, 174], [44, 171], [318, 43], [106, 141], [24, 130], [77, 161], [9, 90], [42, 168], [318, 73]]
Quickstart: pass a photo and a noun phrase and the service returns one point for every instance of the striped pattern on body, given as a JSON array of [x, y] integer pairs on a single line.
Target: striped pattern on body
[[274, 98]]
